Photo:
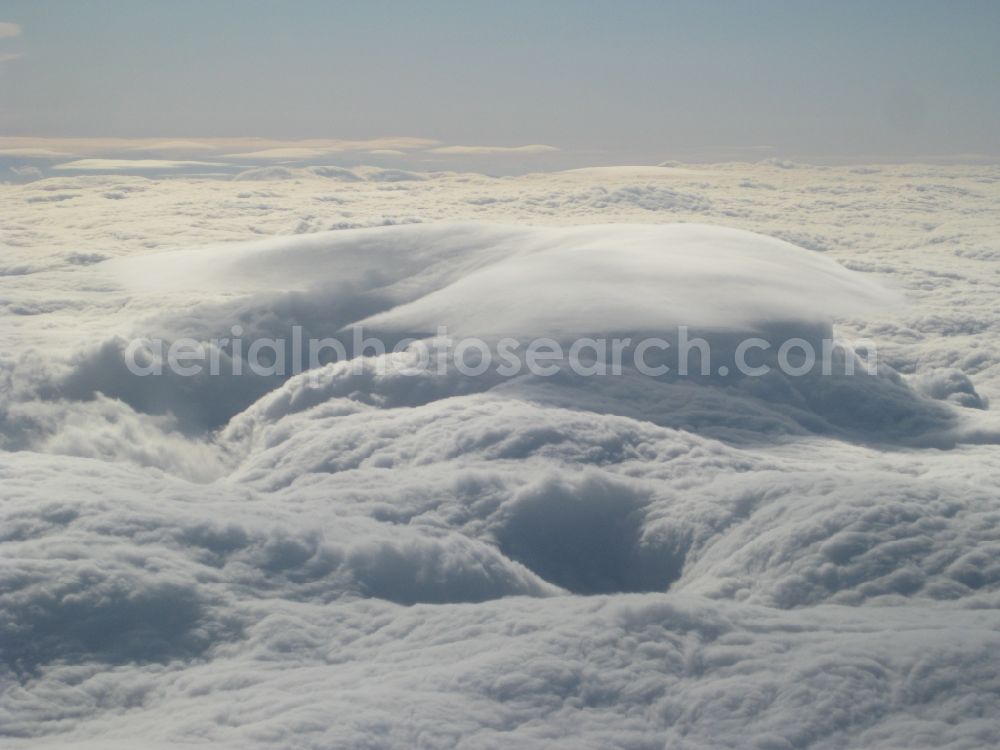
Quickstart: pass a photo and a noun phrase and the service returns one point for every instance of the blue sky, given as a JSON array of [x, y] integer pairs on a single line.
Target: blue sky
[[645, 81]]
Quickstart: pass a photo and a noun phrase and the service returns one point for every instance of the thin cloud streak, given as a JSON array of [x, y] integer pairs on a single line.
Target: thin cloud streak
[[535, 148]]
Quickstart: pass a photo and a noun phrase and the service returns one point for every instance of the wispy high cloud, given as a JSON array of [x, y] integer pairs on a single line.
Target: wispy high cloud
[[112, 165], [243, 148], [535, 148], [287, 153], [8, 30], [33, 153]]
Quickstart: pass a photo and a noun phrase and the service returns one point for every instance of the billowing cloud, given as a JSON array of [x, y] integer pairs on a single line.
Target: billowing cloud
[[560, 561]]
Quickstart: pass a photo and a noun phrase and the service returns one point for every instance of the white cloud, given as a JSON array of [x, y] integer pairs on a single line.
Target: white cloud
[[243, 148], [173, 146], [34, 153], [489, 150], [273, 562], [111, 165], [281, 154], [633, 279], [8, 29]]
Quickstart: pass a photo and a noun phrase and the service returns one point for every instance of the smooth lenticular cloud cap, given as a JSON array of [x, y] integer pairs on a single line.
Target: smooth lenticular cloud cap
[[493, 280], [632, 278]]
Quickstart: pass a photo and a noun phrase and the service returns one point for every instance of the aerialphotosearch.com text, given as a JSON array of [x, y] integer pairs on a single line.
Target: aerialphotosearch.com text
[[676, 353]]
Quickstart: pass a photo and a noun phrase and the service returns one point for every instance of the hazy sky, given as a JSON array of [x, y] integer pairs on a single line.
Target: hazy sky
[[644, 80]]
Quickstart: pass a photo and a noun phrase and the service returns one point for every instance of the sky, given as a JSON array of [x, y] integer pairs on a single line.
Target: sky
[[603, 82]]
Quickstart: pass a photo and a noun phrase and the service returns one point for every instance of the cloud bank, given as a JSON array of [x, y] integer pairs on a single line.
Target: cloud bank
[[154, 157], [375, 556]]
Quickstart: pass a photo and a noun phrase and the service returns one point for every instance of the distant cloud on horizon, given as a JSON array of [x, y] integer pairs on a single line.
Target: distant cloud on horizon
[[535, 148], [115, 154], [8, 30]]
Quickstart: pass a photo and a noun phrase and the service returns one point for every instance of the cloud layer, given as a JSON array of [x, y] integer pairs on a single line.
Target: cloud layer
[[154, 157], [395, 557]]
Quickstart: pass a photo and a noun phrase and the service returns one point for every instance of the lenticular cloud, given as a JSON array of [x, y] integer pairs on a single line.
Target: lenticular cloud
[[487, 282], [483, 280], [630, 278], [628, 560]]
